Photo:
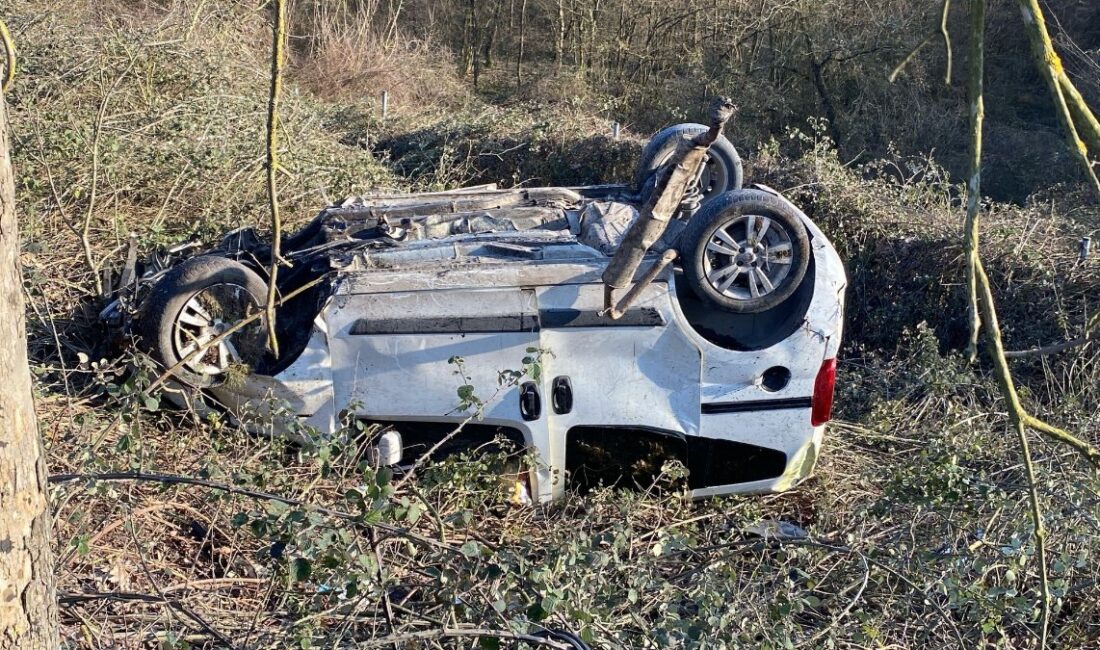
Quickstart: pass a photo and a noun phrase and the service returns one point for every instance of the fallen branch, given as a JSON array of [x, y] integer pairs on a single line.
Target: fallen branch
[[68, 600], [468, 633], [1092, 332], [173, 479]]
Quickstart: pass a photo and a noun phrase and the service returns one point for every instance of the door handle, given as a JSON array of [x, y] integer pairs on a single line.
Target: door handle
[[530, 403], [561, 395]]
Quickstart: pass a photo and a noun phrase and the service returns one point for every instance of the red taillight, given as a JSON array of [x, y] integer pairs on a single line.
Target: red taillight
[[822, 403]]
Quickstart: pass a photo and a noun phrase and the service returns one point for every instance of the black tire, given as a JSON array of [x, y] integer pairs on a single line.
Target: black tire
[[723, 171], [713, 249], [225, 291]]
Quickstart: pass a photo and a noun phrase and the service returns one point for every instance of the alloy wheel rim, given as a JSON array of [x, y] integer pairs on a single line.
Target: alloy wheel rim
[[748, 257], [209, 314]]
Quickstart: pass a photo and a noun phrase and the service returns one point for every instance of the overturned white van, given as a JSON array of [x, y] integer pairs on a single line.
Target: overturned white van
[[499, 310]]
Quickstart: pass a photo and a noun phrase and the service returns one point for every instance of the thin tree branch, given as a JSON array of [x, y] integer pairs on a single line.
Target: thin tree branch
[[1020, 419], [941, 31], [468, 633], [946, 41], [1050, 67], [9, 57], [277, 60], [199, 351], [1053, 348], [972, 231]]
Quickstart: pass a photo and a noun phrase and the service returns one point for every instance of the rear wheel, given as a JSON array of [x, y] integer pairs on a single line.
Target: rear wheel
[[194, 304], [745, 251], [721, 168]]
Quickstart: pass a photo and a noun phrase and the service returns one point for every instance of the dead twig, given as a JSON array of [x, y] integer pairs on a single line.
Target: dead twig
[[69, 600]]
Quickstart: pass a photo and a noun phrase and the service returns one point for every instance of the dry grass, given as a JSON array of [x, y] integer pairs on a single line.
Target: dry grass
[[345, 59]]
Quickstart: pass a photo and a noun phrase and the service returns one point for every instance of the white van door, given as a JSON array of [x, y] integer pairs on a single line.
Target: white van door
[[440, 356], [640, 372]]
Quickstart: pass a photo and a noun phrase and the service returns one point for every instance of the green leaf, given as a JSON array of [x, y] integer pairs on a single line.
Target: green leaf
[[489, 643], [536, 613], [550, 603], [300, 569], [470, 549]]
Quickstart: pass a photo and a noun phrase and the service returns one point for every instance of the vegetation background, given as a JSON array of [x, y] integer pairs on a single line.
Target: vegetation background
[[148, 117]]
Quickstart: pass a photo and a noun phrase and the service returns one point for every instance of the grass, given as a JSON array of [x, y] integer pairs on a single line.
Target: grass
[[918, 507]]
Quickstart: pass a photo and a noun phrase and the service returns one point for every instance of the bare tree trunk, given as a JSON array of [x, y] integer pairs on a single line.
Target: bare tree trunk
[[522, 37], [28, 608], [468, 51], [559, 47]]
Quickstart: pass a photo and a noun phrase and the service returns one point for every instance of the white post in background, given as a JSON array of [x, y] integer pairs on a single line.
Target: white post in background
[[385, 103], [615, 130]]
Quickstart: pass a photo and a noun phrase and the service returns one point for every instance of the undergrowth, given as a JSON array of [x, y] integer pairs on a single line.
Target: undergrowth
[[917, 515]]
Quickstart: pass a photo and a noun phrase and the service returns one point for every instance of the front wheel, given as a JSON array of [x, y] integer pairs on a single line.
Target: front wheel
[[194, 304], [745, 251]]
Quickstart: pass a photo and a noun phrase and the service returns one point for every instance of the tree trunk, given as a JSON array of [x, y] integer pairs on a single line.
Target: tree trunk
[[522, 37], [559, 47], [28, 608]]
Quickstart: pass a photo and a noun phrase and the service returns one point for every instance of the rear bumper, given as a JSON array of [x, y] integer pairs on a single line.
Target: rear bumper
[[800, 465]]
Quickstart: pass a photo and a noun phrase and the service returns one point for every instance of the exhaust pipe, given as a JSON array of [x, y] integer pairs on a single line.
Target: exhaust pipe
[[673, 180]]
